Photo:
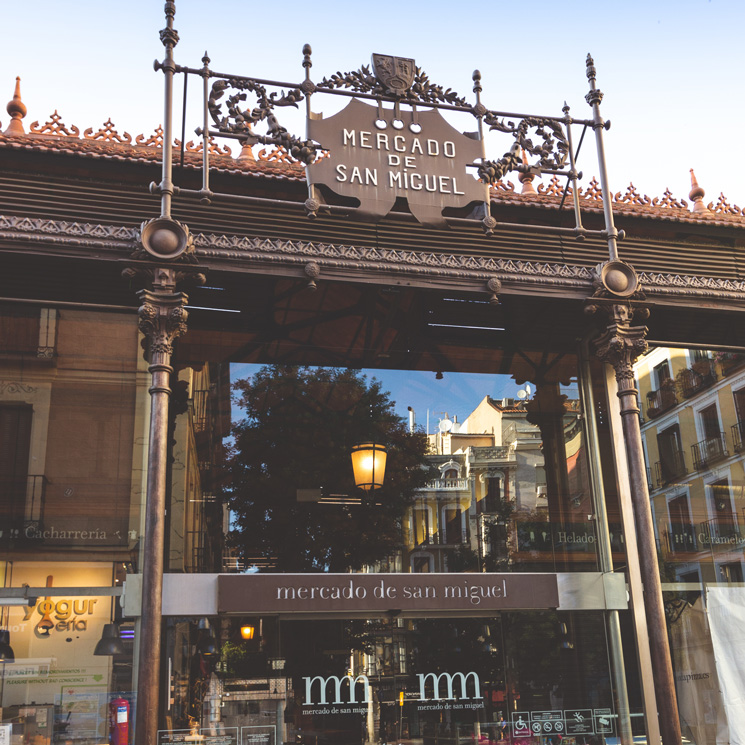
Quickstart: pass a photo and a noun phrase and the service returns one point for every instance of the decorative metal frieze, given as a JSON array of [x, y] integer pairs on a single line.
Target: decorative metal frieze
[[552, 150], [42, 227], [235, 120], [419, 91], [453, 265], [232, 247]]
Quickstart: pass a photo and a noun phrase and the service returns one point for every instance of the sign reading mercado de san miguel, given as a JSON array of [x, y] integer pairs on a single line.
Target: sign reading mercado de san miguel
[[378, 154]]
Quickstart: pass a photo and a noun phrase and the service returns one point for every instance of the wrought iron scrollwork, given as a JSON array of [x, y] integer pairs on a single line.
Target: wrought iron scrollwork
[[552, 150], [241, 121], [421, 91]]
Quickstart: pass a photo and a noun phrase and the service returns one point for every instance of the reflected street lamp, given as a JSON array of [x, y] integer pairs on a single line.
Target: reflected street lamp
[[368, 463]]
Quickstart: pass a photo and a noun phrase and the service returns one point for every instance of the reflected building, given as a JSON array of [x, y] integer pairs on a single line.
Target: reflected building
[[510, 489], [693, 424]]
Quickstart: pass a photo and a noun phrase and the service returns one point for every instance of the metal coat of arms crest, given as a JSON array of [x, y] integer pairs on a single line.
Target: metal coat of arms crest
[[396, 74]]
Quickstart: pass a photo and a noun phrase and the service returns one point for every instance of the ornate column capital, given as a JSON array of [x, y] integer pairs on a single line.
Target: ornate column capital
[[620, 345], [162, 316]]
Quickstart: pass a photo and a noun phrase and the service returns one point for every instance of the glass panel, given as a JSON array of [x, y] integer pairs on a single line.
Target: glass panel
[[698, 502], [73, 445], [394, 680], [481, 480]]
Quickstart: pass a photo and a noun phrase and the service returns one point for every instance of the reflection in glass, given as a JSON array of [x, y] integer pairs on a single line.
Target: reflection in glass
[[503, 488]]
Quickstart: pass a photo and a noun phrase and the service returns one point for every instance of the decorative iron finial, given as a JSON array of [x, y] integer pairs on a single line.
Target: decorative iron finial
[[697, 195], [247, 154], [526, 178], [595, 95], [17, 110]]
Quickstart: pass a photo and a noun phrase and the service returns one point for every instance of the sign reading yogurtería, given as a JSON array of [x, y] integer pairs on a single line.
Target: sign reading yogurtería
[[377, 155]]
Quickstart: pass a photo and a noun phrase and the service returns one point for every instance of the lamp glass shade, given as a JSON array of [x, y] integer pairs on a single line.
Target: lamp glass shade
[[110, 642], [247, 632], [6, 651], [368, 463]]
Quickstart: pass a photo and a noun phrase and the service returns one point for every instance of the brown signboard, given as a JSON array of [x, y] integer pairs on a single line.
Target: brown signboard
[[381, 593], [376, 155]]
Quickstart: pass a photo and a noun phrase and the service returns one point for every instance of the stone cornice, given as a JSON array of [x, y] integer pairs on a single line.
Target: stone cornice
[[333, 258]]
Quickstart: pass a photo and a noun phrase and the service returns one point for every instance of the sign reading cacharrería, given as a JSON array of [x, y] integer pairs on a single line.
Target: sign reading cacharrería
[[377, 155]]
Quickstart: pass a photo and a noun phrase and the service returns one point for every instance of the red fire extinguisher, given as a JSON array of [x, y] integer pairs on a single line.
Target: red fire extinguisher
[[119, 722]]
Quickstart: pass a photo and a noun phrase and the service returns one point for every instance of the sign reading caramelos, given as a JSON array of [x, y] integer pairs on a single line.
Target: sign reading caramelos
[[418, 156]]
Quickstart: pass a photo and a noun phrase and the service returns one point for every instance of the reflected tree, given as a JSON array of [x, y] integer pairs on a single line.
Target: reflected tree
[[299, 426]]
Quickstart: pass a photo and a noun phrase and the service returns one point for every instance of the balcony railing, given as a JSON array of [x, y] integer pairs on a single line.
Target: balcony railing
[[670, 468], [661, 400], [698, 378], [709, 451], [730, 361], [447, 485], [738, 436], [720, 532], [681, 538], [21, 505]]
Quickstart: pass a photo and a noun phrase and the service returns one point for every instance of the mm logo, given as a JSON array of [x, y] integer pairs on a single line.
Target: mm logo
[[338, 683], [448, 679]]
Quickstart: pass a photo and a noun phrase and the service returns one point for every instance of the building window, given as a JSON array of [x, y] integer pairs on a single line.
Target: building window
[[712, 447], [454, 525], [731, 572], [490, 502], [724, 521], [422, 563], [421, 522], [15, 440], [671, 464], [662, 373], [681, 536]]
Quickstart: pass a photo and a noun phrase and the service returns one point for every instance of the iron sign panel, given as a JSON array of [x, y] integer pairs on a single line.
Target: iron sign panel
[[412, 154], [375, 593]]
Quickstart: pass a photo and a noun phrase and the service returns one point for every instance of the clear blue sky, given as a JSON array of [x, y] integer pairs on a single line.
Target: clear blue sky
[[671, 71]]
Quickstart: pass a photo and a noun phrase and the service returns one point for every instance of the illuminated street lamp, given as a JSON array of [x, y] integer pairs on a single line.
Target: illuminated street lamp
[[247, 631], [368, 463]]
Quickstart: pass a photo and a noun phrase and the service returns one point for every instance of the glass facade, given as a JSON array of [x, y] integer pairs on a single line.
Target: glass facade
[[487, 474], [692, 437], [73, 422]]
